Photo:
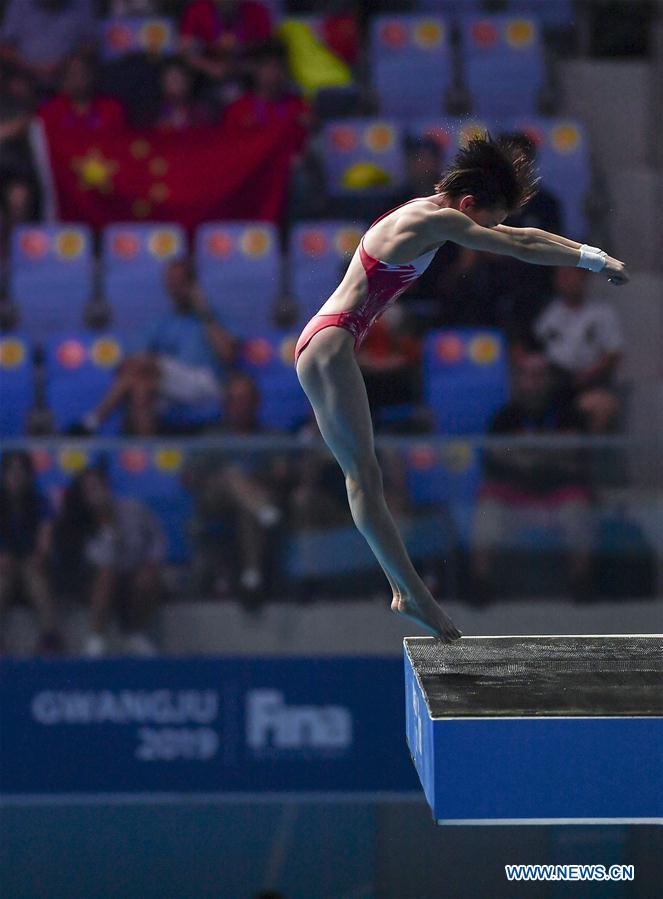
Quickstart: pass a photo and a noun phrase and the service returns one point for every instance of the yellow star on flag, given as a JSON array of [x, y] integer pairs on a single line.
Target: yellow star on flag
[[95, 172]]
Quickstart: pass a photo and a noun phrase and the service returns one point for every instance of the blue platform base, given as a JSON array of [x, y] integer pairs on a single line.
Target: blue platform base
[[538, 768]]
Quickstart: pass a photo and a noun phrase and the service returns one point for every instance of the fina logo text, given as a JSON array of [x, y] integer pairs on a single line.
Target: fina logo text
[[270, 723]]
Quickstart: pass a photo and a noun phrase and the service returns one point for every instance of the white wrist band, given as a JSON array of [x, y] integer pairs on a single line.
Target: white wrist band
[[592, 258]]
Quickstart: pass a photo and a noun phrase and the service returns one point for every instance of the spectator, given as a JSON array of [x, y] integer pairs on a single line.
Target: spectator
[[583, 340], [244, 494], [17, 103], [271, 98], [110, 549], [184, 357], [38, 35], [19, 205], [213, 35], [78, 105], [179, 109], [25, 547], [224, 24], [526, 487]]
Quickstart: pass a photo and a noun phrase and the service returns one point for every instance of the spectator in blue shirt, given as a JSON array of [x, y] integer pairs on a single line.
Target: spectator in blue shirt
[[183, 360], [25, 546]]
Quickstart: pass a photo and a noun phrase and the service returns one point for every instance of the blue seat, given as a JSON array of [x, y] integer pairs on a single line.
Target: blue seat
[[410, 60], [504, 64], [17, 388], [342, 551], [269, 359], [465, 378], [552, 14], [239, 268], [361, 155], [55, 469], [564, 163], [50, 276], [122, 35], [447, 476], [319, 254], [154, 476], [80, 368], [133, 259]]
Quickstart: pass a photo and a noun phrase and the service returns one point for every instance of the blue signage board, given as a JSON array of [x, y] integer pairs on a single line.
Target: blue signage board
[[203, 725]]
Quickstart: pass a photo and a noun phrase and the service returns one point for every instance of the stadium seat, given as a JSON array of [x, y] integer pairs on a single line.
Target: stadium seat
[[50, 276], [123, 35], [410, 61], [446, 476], [361, 155], [17, 389], [465, 378], [319, 254], [503, 63], [239, 268], [56, 468], [154, 476], [551, 13], [557, 14], [269, 359], [133, 258], [79, 369], [564, 163]]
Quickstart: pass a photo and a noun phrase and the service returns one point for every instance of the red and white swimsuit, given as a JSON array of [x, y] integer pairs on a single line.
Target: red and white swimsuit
[[386, 282]]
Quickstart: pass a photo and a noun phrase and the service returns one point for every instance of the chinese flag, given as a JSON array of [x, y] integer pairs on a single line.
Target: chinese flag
[[187, 177]]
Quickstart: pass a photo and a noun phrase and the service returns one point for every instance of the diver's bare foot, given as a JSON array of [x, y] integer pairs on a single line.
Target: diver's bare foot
[[428, 615]]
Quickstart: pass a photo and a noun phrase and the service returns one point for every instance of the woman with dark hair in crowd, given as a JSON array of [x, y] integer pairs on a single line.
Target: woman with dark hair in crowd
[[487, 180], [25, 546], [180, 108], [112, 548]]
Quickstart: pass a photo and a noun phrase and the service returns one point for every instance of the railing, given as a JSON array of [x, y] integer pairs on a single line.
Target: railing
[[482, 517]]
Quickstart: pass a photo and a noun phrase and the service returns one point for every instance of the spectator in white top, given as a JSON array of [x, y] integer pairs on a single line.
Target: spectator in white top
[[583, 341]]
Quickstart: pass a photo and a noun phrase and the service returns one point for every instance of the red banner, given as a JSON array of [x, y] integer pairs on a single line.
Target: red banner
[[203, 174]]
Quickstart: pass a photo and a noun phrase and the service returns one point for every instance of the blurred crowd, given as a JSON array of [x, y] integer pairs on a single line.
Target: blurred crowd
[[229, 66]]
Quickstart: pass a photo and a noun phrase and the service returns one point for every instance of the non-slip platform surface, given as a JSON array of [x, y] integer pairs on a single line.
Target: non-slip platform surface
[[540, 676]]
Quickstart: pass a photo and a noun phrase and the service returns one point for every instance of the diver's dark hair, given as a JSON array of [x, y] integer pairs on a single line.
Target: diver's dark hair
[[496, 172]]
